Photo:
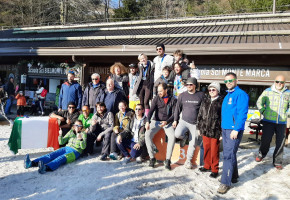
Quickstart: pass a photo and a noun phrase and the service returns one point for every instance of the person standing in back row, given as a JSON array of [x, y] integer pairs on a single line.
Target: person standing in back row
[[234, 115], [70, 91], [161, 61]]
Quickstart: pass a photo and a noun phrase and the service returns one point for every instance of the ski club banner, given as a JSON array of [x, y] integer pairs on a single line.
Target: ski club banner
[[33, 133]]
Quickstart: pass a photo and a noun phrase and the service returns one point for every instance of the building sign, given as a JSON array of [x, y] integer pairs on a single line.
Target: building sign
[[254, 73], [50, 71], [99, 70]]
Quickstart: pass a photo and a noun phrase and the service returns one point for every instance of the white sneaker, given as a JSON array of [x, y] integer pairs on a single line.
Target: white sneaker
[[126, 160], [188, 164], [139, 159]]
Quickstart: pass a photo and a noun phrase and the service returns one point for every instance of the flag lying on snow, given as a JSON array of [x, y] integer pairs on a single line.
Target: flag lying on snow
[[36, 132]]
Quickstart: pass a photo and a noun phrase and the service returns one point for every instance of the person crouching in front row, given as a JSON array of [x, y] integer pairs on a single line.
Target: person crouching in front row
[[133, 136], [77, 140]]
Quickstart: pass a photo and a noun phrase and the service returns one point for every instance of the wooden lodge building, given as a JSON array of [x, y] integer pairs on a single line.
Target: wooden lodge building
[[254, 46]]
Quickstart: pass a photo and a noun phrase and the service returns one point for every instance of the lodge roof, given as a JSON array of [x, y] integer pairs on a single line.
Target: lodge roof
[[230, 34]]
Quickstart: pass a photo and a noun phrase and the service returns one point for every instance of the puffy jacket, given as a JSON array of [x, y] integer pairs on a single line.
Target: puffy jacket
[[106, 122], [274, 105], [9, 88], [209, 117], [70, 93], [91, 93], [124, 120], [73, 142], [21, 100], [235, 109], [128, 131], [124, 80]]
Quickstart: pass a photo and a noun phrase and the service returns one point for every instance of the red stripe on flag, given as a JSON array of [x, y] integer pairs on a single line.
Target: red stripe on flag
[[53, 132]]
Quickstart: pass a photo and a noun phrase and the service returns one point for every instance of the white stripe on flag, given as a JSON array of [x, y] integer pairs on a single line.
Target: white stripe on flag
[[34, 132]]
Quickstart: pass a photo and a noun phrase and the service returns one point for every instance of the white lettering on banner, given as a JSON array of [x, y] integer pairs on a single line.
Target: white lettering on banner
[[240, 72], [46, 71]]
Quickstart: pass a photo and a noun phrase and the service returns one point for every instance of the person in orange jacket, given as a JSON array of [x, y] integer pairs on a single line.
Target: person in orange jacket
[[21, 102]]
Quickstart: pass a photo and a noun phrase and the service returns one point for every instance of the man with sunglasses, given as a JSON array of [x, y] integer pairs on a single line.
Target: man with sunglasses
[[133, 136], [161, 61], [92, 90], [234, 115], [188, 103], [274, 105], [66, 117]]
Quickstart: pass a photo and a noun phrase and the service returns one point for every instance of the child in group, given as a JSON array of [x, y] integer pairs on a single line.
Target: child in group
[[164, 78], [21, 102], [180, 58]]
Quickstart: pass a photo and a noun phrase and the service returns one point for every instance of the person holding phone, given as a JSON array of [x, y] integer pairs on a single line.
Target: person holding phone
[[77, 140]]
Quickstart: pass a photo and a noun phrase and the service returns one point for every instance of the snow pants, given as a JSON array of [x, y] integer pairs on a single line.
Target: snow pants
[[59, 157], [268, 131], [230, 148]]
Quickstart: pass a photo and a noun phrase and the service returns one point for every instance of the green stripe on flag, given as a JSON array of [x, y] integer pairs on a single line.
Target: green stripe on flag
[[15, 138]]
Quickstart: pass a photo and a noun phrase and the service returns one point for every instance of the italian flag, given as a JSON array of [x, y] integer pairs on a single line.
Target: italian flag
[[32, 133]]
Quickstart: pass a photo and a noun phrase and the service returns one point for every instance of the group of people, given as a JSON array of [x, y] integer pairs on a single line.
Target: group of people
[[163, 94]]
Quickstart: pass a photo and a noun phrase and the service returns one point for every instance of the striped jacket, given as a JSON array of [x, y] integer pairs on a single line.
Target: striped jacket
[[274, 105]]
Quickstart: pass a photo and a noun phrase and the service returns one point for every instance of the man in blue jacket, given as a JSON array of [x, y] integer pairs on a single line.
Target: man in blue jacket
[[234, 115], [70, 91]]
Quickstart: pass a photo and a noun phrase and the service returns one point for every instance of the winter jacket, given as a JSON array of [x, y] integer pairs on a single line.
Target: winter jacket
[[128, 131], [162, 79], [209, 118], [160, 62], [86, 121], [121, 82], [9, 88], [122, 121], [163, 112], [118, 96], [149, 77], [66, 115], [70, 93], [73, 142], [234, 109], [274, 105], [106, 122], [91, 93], [38, 92], [132, 82], [185, 74], [21, 100]]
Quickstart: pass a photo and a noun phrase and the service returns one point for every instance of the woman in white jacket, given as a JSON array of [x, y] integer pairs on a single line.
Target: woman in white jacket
[[41, 99]]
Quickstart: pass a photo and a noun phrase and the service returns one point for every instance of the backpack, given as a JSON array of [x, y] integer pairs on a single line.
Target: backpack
[[43, 93]]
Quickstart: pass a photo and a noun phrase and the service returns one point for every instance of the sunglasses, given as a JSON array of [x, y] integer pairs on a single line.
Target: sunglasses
[[72, 107], [229, 81], [282, 82], [78, 125], [95, 79], [189, 84], [211, 90], [138, 109], [158, 49]]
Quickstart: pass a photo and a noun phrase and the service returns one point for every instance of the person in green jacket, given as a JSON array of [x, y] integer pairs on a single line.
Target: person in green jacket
[[274, 105], [77, 140]]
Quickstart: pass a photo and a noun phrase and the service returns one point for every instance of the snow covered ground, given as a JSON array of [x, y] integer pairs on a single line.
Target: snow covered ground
[[90, 178]]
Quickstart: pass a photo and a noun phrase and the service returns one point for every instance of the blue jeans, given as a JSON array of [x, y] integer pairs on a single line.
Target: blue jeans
[[128, 143], [230, 148], [8, 106], [57, 158]]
